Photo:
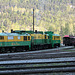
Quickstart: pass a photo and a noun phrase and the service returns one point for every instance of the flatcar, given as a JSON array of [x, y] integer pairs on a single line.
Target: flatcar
[[28, 40], [69, 40]]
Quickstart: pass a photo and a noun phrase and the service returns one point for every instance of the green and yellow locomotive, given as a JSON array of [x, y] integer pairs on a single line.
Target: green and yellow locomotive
[[14, 42], [28, 40]]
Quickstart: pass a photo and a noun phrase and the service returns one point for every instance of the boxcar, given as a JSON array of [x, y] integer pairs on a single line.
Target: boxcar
[[69, 40]]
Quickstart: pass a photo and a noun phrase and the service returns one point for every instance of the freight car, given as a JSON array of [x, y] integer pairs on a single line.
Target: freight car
[[69, 40], [28, 40]]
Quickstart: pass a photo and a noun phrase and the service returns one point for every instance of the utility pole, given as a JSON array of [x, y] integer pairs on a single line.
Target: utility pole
[[33, 19]]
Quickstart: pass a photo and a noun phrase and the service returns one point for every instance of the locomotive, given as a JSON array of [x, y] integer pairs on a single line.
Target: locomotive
[[69, 40], [19, 40]]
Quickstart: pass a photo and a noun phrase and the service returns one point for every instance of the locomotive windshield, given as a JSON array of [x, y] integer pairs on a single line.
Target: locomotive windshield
[[1, 37]]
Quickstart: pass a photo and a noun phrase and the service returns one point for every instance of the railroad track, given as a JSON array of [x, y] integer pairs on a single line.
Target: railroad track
[[38, 62], [37, 55], [38, 66]]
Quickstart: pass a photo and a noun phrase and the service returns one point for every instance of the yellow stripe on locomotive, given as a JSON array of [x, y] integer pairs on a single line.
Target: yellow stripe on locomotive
[[37, 36], [56, 38], [14, 38]]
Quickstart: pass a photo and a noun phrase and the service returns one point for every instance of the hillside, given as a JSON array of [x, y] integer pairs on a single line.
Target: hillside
[[52, 15]]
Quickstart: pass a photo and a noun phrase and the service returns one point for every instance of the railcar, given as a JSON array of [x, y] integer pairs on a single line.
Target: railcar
[[69, 40]]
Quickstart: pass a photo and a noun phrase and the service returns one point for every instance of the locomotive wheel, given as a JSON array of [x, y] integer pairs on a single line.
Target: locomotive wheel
[[65, 44], [3, 50], [58, 45], [13, 49], [18, 49], [54, 46], [7, 50], [40, 46]]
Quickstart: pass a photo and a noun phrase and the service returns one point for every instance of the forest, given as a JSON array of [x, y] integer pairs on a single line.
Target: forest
[[50, 15]]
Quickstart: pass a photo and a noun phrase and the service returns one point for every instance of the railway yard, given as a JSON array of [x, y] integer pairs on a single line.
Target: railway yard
[[57, 61]]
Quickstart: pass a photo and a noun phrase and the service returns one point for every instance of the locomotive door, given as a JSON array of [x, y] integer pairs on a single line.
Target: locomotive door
[[32, 42], [45, 39], [2, 43]]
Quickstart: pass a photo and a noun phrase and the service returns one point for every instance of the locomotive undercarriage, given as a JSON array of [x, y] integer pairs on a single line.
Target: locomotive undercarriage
[[40, 46], [13, 49], [56, 45], [70, 44], [26, 48]]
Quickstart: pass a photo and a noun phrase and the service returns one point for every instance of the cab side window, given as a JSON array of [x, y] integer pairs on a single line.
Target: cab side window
[[1, 37], [10, 37], [25, 38], [54, 37], [28, 37], [57, 37], [48, 37], [45, 36]]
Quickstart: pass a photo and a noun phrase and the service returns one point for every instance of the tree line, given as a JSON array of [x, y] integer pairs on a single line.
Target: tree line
[[50, 15]]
